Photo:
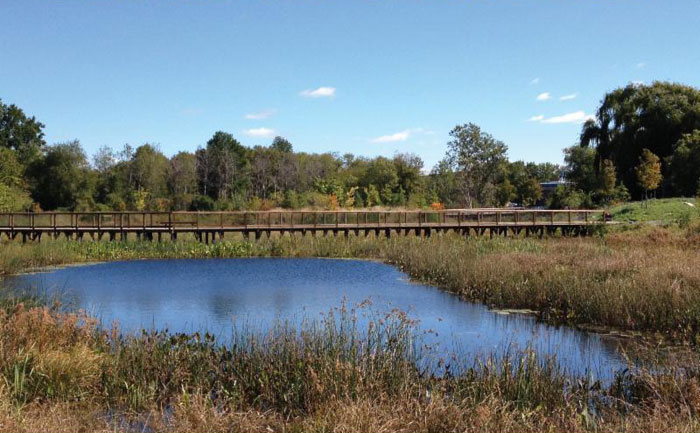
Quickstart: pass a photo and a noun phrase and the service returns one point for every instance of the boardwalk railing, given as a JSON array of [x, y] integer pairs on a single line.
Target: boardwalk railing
[[149, 223]]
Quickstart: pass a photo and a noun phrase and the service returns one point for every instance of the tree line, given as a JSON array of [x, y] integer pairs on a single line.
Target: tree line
[[644, 140], [223, 174]]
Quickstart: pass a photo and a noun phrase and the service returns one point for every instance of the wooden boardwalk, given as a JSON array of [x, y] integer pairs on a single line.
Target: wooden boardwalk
[[212, 226]]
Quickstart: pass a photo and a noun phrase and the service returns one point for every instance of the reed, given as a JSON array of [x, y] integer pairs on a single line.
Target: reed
[[62, 373]]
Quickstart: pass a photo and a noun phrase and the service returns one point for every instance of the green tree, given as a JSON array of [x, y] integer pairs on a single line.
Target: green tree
[[182, 173], [221, 166], [408, 168], [524, 181], [148, 169], [61, 177], [443, 184], [637, 117], [607, 182], [478, 159], [282, 144], [182, 179], [372, 195], [684, 164], [11, 171], [580, 168], [20, 133], [648, 171], [13, 199]]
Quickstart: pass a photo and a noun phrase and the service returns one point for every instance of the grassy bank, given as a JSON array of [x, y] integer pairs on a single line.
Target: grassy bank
[[58, 372], [658, 211], [637, 279]]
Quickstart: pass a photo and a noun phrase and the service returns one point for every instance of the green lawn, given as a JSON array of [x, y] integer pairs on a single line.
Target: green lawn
[[665, 210]]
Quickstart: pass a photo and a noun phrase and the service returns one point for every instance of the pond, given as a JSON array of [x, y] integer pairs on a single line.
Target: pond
[[220, 295]]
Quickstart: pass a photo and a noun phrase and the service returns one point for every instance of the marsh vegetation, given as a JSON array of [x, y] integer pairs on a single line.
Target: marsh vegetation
[[63, 372]]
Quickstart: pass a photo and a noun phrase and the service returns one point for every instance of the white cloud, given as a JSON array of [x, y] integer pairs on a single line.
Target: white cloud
[[401, 135], [544, 96], [392, 138], [260, 132], [260, 115], [640, 65], [535, 80], [321, 92], [575, 117], [568, 97]]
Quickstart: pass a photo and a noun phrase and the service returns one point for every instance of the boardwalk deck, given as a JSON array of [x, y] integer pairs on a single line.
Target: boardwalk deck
[[210, 225]]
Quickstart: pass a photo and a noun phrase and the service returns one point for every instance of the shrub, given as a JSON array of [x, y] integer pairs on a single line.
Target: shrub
[[202, 203]]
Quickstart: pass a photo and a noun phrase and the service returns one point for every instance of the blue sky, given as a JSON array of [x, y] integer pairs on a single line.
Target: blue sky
[[367, 77]]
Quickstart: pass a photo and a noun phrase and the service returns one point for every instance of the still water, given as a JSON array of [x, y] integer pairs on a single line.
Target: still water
[[219, 295]]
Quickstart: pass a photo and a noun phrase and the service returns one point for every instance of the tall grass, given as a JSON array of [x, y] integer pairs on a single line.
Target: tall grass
[[59, 372]]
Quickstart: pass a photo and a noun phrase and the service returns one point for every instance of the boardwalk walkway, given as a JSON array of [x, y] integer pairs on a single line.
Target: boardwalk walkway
[[210, 226]]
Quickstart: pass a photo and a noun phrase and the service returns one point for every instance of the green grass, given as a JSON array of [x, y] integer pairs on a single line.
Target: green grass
[[662, 211]]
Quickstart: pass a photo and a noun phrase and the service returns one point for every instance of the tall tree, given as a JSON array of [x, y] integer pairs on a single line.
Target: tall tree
[[182, 174], [580, 168], [223, 163], [479, 161], [408, 170], [684, 164], [148, 168], [62, 177], [638, 117], [21, 133], [282, 144], [13, 192]]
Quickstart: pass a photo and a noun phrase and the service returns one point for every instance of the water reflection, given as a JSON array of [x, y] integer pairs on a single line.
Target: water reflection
[[216, 295]]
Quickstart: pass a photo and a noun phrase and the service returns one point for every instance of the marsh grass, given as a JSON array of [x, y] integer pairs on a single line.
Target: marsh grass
[[61, 372]]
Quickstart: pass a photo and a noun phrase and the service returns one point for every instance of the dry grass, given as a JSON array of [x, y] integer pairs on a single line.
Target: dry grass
[[325, 377]]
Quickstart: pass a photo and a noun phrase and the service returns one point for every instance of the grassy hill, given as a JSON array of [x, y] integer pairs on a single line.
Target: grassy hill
[[665, 210]]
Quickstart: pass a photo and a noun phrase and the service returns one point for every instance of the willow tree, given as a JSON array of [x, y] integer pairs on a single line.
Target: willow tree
[[638, 117]]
